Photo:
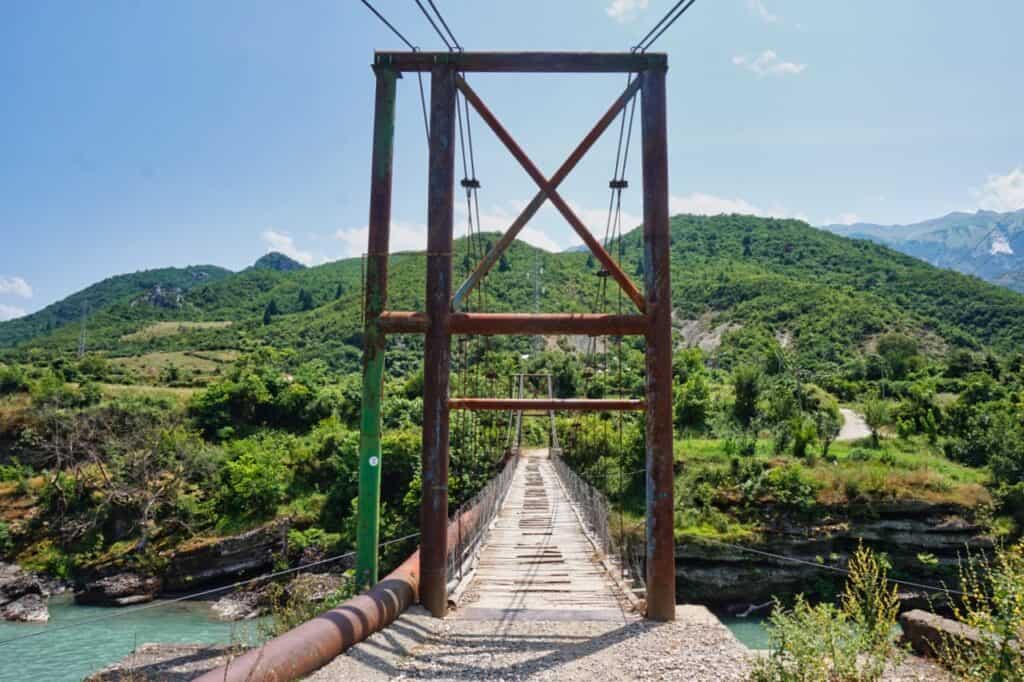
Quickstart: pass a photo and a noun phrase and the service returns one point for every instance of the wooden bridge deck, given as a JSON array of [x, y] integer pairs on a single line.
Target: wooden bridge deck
[[536, 562]]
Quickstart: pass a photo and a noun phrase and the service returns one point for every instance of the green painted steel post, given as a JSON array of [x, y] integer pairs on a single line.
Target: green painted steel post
[[370, 457]]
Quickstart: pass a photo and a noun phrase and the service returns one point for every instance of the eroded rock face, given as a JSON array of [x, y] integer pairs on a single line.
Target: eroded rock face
[[121, 589], [22, 595], [223, 560], [723, 576]]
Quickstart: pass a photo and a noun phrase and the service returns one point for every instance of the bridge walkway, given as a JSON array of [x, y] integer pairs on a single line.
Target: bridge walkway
[[540, 606]]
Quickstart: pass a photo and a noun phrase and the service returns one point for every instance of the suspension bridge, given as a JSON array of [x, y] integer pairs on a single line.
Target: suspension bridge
[[531, 555]]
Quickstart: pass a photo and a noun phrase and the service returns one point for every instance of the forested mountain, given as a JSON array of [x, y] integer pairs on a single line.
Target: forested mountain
[[987, 244], [161, 287], [751, 279]]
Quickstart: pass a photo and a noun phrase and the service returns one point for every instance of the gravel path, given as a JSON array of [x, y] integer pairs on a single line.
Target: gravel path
[[854, 427], [694, 647]]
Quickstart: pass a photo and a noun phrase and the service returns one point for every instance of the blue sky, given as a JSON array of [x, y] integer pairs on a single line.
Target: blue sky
[[145, 134]]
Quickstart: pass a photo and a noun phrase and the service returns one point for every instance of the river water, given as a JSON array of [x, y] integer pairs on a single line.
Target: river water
[[73, 653]]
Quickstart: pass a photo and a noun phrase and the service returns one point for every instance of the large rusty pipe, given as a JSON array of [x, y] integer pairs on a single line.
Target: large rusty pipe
[[315, 643], [525, 324], [310, 646]]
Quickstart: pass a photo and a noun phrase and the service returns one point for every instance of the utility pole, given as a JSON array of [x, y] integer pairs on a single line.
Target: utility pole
[[81, 333]]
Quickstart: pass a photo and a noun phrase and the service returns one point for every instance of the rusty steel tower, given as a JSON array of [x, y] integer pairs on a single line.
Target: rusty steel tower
[[442, 317]]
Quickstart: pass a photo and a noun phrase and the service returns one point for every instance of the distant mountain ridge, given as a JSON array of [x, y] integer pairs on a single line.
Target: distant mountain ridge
[[986, 244], [757, 280]]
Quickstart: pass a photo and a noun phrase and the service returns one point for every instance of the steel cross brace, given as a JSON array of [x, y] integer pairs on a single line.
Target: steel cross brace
[[548, 190]]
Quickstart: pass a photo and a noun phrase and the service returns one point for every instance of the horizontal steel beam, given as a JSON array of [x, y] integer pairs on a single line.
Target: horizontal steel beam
[[526, 62], [570, 404], [515, 324]]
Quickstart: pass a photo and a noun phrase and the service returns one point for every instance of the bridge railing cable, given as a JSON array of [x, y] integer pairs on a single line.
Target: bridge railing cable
[[595, 510], [469, 529]]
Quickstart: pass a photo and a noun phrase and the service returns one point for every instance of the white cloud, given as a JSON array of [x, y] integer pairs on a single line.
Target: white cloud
[[1002, 192], [844, 219], [404, 237], [625, 10], [768, 64], [9, 312], [16, 286], [283, 243], [700, 203], [757, 7]]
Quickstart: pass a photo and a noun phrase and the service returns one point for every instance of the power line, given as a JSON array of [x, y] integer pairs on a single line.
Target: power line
[[124, 612], [652, 35]]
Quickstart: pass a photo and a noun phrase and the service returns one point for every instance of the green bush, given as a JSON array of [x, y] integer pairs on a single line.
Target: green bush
[[256, 477], [850, 643], [993, 603], [6, 543]]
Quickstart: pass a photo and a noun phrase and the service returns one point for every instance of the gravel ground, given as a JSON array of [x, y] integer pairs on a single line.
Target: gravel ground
[[690, 648]]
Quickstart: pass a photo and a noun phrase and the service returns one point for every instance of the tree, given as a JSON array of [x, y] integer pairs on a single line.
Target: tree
[[270, 311], [305, 300], [900, 353], [876, 415], [692, 400], [337, 292], [503, 264], [828, 423], [746, 382]]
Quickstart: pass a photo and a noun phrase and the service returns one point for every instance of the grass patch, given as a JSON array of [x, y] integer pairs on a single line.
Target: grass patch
[[161, 329], [188, 366]]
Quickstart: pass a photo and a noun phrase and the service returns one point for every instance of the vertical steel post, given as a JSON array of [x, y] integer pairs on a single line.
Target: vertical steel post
[[661, 576], [368, 529], [437, 343]]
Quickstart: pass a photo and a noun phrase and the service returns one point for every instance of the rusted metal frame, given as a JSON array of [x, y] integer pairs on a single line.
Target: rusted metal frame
[[661, 575], [490, 324], [376, 291], [548, 187], [546, 404], [525, 62], [437, 343]]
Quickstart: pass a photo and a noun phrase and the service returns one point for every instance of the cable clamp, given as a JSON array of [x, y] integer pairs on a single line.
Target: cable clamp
[[470, 183], [618, 184]]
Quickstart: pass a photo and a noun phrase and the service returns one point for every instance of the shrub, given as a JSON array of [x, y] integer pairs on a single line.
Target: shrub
[[850, 643], [6, 543], [746, 382], [993, 604], [255, 477]]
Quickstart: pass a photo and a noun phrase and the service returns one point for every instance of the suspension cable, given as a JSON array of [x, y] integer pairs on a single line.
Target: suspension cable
[[445, 24], [434, 25], [389, 25], [652, 35]]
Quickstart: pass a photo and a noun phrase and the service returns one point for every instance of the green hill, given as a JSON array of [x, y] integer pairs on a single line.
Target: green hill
[[162, 287], [751, 279]]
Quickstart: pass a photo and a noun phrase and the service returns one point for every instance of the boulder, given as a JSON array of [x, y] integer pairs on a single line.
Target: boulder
[[22, 595], [121, 589], [166, 663], [242, 605], [30, 608], [925, 632]]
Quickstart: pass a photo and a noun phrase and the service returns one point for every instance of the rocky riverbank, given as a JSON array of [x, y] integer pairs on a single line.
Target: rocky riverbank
[[921, 542], [23, 595]]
